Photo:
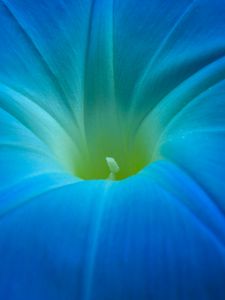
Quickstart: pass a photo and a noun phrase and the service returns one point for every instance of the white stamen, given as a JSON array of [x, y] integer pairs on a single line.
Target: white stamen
[[113, 167]]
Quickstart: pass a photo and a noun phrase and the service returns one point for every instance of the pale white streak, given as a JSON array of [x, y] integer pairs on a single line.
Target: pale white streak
[[13, 94], [39, 122], [37, 104]]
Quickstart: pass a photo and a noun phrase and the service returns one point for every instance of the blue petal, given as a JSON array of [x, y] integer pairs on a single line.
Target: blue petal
[[130, 240], [157, 235], [194, 139]]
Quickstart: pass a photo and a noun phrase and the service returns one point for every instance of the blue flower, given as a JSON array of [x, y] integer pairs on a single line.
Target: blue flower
[[112, 140]]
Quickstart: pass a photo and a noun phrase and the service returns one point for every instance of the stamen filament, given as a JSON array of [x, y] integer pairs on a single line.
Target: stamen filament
[[113, 168]]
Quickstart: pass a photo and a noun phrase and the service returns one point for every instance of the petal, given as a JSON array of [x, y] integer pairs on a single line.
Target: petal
[[56, 35], [128, 240], [187, 59], [194, 139], [155, 235], [23, 68], [27, 166], [140, 32]]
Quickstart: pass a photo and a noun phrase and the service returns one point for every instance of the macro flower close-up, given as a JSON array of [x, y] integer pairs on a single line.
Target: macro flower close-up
[[112, 142]]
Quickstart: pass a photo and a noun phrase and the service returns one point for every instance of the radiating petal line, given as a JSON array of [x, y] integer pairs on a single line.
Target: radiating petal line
[[214, 206], [22, 123], [212, 84], [91, 14], [11, 110], [92, 251], [7, 190], [216, 62], [27, 148], [218, 129], [140, 85], [184, 108], [53, 150], [174, 91], [99, 33], [109, 36], [44, 62], [207, 228], [25, 201], [177, 115], [28, 98]]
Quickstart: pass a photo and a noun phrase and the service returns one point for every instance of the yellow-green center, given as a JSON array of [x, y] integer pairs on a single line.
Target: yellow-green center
[[110, 152]]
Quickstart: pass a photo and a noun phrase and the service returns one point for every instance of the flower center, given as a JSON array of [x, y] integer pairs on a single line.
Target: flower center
[[110, 151]]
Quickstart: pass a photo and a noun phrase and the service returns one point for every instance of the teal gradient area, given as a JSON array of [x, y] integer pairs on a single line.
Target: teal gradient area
[[141, 82]]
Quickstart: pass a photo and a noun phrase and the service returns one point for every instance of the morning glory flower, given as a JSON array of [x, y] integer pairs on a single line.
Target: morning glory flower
[[112, 138]]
